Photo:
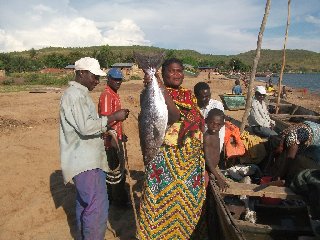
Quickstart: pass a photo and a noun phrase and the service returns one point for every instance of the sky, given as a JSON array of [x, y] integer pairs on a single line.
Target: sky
[[223, 27]]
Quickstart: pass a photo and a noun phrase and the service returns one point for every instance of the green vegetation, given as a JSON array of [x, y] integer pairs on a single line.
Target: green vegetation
[[25, 65], [135, 77], [32, 78], [296, 60]]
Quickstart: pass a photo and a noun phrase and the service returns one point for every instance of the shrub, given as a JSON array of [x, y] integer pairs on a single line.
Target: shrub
[[135, 77]]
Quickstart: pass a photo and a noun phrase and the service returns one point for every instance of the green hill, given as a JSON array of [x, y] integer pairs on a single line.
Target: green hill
[[296, 60], [270, 60]]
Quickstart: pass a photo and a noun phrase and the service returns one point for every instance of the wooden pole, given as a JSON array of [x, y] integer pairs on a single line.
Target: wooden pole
[[254, 66], [131, 186], [283, 59]]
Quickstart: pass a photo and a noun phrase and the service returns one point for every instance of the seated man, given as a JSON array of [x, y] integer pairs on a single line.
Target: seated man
[[259, 119]]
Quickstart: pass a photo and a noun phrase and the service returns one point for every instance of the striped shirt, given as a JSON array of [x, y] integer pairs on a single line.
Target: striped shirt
[[109, 102]]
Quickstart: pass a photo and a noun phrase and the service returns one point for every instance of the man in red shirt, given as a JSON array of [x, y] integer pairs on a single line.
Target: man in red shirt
[[109, 102]]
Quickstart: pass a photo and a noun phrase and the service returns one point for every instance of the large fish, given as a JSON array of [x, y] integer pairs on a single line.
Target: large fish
[[153, 117]]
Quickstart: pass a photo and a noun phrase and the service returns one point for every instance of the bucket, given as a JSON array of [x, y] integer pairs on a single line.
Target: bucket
[[268, 200]]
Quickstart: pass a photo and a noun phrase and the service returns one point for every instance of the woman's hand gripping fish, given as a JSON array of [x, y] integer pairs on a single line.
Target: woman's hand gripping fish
[[153, 117]]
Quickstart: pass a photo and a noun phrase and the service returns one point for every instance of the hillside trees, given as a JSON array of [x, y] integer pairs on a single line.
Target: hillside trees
[[105, 56], [34, 60]]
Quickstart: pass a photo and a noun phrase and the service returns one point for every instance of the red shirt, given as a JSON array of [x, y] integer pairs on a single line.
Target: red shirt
[[109, 102]]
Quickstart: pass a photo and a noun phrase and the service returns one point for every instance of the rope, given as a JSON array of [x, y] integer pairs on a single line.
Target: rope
[[130, 184]]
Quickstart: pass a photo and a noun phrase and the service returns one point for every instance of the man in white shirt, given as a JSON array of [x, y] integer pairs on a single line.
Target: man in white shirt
[[206, 103], [259, 119], [83, 159]]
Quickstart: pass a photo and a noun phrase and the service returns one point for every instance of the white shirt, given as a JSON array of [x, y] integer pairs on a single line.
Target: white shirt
[[81, 146], [259, 115], [204, 111]]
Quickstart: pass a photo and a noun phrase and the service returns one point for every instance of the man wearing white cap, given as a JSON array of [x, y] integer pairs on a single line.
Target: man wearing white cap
[[83, 159], [259, 118]]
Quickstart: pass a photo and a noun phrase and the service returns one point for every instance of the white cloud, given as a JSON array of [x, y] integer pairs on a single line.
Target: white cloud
[[77, 32], [125, 33], [209, 26], [312, 19], [9, 43]]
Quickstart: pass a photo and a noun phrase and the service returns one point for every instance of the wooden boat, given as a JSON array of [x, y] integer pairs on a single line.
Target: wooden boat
[[233, 102], [274, 222], [288, 112]]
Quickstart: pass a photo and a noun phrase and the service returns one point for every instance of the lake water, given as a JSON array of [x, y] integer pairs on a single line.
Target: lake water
[[310, 81]]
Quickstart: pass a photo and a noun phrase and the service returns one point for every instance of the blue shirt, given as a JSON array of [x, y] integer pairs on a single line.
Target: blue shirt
[[81, 145], [237, 90]]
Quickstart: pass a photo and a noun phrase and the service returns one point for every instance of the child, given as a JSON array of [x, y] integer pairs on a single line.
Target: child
[[237, 88], [211, 142]]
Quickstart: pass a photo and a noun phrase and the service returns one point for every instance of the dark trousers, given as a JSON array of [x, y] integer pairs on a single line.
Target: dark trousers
[[263, 131], [116, 192]]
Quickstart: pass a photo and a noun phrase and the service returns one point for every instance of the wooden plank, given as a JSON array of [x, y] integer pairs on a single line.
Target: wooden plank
[[284, 115], [228, 225], [280, 104], [265, 229], [255, 190]]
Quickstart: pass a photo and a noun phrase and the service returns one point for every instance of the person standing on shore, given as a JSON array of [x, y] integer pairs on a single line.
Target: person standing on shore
[[109, 102], [259, 118], [83, 159], [174, 188], [206, 103]]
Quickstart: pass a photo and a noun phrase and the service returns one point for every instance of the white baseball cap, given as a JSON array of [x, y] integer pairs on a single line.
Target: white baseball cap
[[90, 64], [261, 90]]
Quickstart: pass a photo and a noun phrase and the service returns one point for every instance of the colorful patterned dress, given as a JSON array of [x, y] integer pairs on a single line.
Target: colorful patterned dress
[[174, 188], [304, 134]]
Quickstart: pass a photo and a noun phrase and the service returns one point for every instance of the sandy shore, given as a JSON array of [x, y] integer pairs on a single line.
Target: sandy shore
[[34, 202]]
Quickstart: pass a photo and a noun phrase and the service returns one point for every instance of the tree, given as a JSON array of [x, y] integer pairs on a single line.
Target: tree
[[254, 65], [283, 58], [55, 60], [105, 56], [74, 56], [171, 53], [32, 53]]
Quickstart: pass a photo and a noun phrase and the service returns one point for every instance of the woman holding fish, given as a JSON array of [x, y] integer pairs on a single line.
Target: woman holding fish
[[174, 188]]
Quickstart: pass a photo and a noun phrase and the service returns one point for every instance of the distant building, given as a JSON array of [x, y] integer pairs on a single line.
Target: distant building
[[122, 65], [51, 70], [2, 73], [207, 68], [126, 68], [69, 67], [185, 65]]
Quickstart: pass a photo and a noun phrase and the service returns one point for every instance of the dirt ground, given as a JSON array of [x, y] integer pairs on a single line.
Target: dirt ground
[[34, 202]]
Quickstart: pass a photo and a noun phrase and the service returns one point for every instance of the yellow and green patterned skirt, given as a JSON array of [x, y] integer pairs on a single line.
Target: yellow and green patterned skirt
[[174, 193]]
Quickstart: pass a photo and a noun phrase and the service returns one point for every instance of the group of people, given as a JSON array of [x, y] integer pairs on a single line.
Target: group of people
[[172, 204], [83, 154], [89, 153], [302, 137]]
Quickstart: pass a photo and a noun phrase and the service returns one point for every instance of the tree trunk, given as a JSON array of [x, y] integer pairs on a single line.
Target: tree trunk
[[254, 66], [283, 59]]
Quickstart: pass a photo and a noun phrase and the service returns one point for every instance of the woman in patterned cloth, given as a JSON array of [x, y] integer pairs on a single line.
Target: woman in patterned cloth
[[174, 187], [296, 139]]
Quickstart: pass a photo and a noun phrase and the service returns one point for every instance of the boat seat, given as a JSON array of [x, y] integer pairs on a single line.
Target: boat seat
[[254, 190]]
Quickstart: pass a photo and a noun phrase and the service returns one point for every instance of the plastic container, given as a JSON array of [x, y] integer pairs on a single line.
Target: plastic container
[[268, 200]]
